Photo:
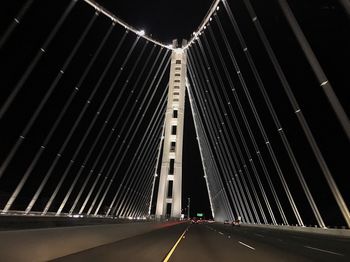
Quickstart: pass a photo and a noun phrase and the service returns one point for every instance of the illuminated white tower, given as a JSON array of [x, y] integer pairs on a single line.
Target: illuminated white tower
[[170, 181]]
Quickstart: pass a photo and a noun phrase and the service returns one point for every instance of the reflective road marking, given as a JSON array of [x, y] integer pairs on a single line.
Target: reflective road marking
[[244, 244], [325, 251]]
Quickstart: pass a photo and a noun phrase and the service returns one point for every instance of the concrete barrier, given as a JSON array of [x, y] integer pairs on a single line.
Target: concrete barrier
[[314, 230], [50, 243]]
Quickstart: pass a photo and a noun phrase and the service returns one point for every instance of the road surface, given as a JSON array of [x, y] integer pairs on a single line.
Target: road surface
[[218, 242]]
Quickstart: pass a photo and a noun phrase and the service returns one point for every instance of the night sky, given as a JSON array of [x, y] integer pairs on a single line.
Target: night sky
[[325, 25]]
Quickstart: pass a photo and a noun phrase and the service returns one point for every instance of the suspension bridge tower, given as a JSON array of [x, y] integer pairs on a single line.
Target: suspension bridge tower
[[170, 181]]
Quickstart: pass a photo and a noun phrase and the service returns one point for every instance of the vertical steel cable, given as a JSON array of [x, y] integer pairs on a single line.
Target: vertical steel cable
[[142, 117], [201, 146], [120, 114], [234, 198], [140, 171], [219, 120], [238, 205], [300, 116], [115, 159], [62, 114], [330, 94], [38, 111], [231, 131], [318, 71], [92, 123], [34, 62], [238, 72], [135, 163], [148, 129], [77, 122], [156, 168], [107, 120], [118, 120], [15, 22], [145, 110], [252, 138], [221, 192], [273, 113], [261, 127]]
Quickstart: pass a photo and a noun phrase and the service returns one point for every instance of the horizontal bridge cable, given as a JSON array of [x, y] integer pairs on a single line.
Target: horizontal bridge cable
[[294, 103], [236, 200], [36, 114], [35, 61], [15, 22], [274, 117], [218, 122], [239, 129]]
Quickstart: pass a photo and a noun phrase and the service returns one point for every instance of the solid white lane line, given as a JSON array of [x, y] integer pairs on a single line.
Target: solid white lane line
[[325, 251], [244, 244]]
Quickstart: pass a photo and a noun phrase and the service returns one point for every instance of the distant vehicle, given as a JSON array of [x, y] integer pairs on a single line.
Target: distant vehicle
[[226, 222], [236, 222]]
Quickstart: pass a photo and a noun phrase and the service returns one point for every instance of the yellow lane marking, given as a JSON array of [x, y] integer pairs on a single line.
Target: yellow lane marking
[[174, 247]]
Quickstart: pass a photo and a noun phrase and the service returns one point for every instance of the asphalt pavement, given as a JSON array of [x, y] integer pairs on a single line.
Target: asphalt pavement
[[218, 242]]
